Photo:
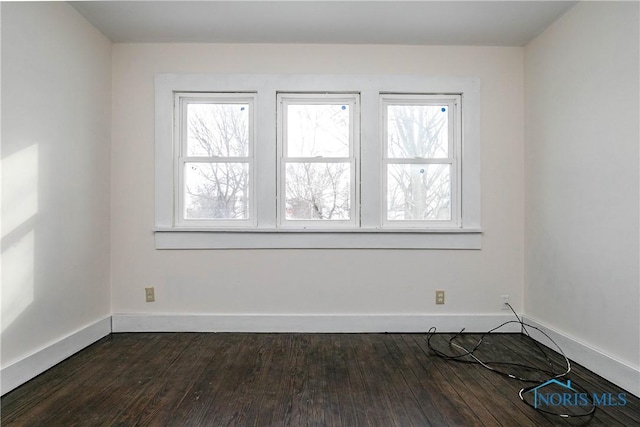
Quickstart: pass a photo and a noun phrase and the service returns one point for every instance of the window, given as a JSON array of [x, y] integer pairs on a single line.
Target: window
[[214, 162], [318, 160], [308, 161], [421, 135]]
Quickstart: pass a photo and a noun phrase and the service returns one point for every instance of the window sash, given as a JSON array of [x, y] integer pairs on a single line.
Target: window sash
[[453, 159], [283, 101], [430, 223], [181, 102], [312, 223]]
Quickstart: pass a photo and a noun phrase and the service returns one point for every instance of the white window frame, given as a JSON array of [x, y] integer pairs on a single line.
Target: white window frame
[[284, 100], [182, 100], [452, 102], [266, 233]]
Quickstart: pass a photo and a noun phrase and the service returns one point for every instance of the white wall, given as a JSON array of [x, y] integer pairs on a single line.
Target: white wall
[[582, 182], [316, 281], [580, 272], [56, 113]]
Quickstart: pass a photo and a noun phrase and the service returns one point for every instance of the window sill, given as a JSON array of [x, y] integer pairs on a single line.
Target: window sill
[[198, 238]]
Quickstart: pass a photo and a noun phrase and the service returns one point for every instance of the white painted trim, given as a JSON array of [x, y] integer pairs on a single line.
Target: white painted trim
[[316, 240], [266, 86], [598, 361], [311, 323], [36, 363]]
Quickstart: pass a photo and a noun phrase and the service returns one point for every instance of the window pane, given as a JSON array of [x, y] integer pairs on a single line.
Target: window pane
[[218, 130], [216, 190], [418, 131], [318, 191], [318, 130], [418, 192]]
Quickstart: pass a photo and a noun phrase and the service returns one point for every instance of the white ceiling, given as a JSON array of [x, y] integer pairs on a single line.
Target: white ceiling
[[490, 23]]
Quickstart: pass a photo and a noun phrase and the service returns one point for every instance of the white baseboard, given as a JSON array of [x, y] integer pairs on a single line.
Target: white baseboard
[[608, 367], [320, 323], [33, 365], [12, 376]]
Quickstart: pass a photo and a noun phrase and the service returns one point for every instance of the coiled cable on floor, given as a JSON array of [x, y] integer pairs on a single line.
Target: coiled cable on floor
[[501, 368]]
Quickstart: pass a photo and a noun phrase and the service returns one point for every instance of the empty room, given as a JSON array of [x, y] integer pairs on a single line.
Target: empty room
[[328, 213]]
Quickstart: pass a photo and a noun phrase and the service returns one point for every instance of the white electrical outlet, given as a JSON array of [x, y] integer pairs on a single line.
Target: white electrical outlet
[[439, 297], [505, 301], [150, 294]]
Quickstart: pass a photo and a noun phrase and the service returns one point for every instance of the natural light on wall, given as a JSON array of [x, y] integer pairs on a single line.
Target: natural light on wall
[[19, 209]]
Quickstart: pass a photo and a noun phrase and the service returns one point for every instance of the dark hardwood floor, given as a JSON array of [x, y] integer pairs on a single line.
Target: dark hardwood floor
[[199, 379]]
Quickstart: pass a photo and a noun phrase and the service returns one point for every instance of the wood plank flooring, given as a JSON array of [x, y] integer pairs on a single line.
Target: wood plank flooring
[[200, 379]]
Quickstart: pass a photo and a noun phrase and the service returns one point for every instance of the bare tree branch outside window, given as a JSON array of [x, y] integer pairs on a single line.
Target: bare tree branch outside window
[[418, 191], [217, 187], [318, 190]]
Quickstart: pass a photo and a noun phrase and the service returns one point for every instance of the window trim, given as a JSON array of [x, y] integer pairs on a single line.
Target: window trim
[[266, 234]]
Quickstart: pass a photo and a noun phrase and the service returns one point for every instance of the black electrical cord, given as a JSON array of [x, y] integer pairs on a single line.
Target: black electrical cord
[[551, 373]]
